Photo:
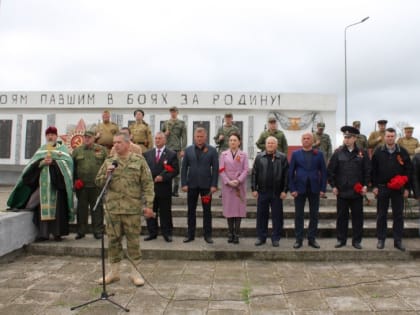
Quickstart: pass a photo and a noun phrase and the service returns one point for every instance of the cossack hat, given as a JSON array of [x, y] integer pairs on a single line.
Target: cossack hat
[[51, 129], [349, 131]]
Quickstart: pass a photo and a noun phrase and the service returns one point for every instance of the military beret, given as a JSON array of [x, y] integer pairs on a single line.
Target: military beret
[[89, 133], [51, 129], [356, 123], [138, 110], [271, 119], [228, 114], [408, 128], [349, 131], [173, 109], [320, 125], [382, 122]]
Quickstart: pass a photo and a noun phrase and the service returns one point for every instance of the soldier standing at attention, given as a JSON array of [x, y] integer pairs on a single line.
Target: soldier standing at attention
[[322, 141], [131, 184], [377, 138], [223, 133], [87, 159], [176, 139], [361, 140], [142, 135], [273, 131], [105, 131], [408, 142]]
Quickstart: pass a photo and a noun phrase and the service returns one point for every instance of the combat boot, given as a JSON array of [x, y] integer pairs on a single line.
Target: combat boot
[[113, 275], [135, 276]]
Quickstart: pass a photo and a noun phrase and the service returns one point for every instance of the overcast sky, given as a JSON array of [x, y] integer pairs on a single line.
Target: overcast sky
[[263, 46]]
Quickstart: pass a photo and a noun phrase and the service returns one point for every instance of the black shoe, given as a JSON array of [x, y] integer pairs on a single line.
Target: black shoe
[[58, 238], [230, 238], [79, 236], [167, 238], [313, 244], [275, 243], [235, 239], [357, 245], [41, 239], [259, 242], [340, 244], [175, 194], [297, 244], [188, 239], [208, 239], [97, 236], [150, 237], [399, 245], [381, 244]]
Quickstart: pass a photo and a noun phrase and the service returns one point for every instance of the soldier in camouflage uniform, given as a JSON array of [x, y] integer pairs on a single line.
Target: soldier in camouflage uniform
[[176, 139], [274, 132], [322, 141], [377, 138], [134, 148], [131, 185], [140, 130], [105, 131], [408, 142], [361, 140], [223, 133], [87, 159]]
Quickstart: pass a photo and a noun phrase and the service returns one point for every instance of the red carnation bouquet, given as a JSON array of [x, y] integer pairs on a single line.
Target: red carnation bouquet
[[168, 168], [206, 199], [78, 184], [397, 182], [358, 188]]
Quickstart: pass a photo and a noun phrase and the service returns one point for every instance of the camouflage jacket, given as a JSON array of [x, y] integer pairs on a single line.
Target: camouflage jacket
[[279, 135], [223, 145], [87, 162], [177, 138], [131, 184]]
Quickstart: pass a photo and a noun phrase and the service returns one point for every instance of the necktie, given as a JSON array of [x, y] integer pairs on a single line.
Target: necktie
[[158, 156]]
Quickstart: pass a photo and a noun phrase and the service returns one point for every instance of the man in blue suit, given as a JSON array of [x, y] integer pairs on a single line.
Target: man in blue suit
[[307, 180], [199, 174]]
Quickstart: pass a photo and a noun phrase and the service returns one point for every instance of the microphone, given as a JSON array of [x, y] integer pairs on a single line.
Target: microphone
[[114, 164]]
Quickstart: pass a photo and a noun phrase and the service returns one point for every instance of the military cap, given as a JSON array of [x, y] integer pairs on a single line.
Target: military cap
[[408, 128], [382, 122], [320, 125], [349, 131], [51, 129], [89, 133], [228, 114], [138, 110], [356, 123], [271, 119], [106, 112], [173, 109]]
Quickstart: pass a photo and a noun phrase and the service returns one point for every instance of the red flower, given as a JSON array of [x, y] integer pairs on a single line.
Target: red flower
[[221, 170], [397, 182], [168, 168], [238, 158], [315, 151], [206, 199], [78, 184], [358, 188]]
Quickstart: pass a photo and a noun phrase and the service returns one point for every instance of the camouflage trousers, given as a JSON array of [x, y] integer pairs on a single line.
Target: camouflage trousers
[[118, 225]]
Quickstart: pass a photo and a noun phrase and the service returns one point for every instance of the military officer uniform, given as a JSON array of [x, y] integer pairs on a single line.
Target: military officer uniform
[[176, 141], [87, 161], [377, 137], [409, 143], [361, 140], [322, 142], [226, 131], [105, 132], [142, 135], [278, 134]]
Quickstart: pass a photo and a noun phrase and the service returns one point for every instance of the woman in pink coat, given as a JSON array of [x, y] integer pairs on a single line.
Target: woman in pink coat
[[233, 170]]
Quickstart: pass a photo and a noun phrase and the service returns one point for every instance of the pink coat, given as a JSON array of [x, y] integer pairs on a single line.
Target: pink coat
[[233, 198]]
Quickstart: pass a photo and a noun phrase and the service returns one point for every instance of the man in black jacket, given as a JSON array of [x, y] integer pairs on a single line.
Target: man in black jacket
[[269, 185], [164, 166], [199, 174], [391, 170], [349, 174]]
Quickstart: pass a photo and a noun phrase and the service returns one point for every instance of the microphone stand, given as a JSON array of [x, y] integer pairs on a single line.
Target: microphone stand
[[104, 294]]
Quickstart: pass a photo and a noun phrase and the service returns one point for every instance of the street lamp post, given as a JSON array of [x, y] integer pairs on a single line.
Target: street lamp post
[[345, 66]]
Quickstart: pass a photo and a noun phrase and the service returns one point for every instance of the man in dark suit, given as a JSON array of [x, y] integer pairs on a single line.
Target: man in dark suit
[[199, 174], [307, 180], [163, 164]]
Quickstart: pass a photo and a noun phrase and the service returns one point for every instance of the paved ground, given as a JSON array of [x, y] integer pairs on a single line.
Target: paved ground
[[52, 285]]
